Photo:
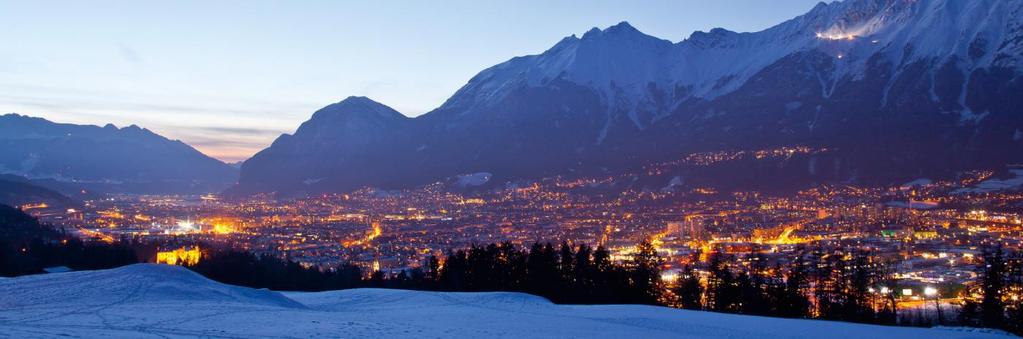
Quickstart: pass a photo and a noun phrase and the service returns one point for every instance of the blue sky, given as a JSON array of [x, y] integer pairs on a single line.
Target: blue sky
[[229, 76]]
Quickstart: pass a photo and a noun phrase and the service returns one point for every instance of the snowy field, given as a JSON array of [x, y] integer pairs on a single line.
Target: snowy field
[[142, 301]]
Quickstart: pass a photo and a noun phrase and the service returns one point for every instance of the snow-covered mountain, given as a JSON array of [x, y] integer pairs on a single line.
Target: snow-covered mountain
[[145, 300], [636, 74], [904, 88], [129, 159]]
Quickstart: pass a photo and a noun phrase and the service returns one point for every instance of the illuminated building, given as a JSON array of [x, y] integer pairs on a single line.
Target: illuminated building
[[181, 256]]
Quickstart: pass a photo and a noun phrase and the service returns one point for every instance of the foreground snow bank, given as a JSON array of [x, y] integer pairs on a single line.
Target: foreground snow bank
[[165, 301]]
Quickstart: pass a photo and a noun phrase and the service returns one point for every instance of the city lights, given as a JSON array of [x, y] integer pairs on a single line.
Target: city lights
[[400, 230]]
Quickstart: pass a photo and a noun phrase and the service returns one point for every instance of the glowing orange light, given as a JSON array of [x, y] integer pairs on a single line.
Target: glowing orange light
[[181, 256]]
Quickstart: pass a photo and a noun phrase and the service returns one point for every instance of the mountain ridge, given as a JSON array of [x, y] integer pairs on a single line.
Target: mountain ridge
[[131, 159], [854, 75]]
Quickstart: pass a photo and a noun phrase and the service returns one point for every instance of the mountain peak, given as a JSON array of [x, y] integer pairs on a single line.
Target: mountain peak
[[358, 105], [623, 26], [359, 99], [622, 29], [354, 113], [713, 38], [139, 131]]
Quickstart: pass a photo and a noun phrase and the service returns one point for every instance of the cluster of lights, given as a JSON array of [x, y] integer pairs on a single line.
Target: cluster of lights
[[356, 222], [180, 256], [928, 291], [186, 226], [828, 36]]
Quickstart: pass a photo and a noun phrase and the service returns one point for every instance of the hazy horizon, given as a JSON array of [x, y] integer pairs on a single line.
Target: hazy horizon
[[228, 79]]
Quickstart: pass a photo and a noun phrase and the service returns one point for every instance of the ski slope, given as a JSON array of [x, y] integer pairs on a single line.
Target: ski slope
[[155, 301]]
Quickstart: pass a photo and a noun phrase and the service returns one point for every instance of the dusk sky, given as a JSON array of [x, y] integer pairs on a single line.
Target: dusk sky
[[228, 77]]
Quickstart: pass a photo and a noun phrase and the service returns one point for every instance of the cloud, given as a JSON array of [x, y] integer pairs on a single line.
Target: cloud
[[228, 144], [238, 130], [49, 97], [208, 129], [228, 154]]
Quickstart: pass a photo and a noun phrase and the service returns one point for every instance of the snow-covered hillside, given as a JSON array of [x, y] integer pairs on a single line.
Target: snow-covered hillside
[[163, 301]]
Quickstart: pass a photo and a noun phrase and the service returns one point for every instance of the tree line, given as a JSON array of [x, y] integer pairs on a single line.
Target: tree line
[[27, 247], [996, 301], [565, 274], [813, 283]]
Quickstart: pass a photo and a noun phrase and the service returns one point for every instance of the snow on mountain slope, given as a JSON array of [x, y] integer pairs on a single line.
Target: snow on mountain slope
[[618, 62], [142, 301], [629, 69]]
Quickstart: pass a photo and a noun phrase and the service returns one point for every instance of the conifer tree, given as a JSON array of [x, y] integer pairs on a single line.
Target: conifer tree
[[689, 290], [992, 308]]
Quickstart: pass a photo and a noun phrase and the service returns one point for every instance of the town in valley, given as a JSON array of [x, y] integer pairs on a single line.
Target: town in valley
[[931, 233]]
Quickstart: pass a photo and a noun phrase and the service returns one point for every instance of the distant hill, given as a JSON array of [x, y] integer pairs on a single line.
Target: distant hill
[[75, 191], [17, 191], [17, 227], [108, 159]]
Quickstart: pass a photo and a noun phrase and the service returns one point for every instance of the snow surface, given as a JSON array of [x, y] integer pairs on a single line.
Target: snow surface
[[675, 181], [994, 185], [475, 179], [146, 300]]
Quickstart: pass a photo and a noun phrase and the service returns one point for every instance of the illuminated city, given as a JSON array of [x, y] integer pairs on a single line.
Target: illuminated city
[[524, 169], [934, 232]]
